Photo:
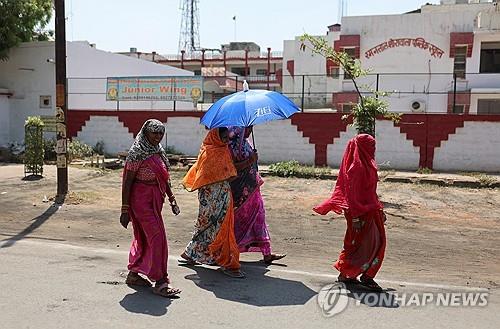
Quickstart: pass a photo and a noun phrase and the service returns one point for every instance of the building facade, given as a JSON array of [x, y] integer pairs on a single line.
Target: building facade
[[438, 59]]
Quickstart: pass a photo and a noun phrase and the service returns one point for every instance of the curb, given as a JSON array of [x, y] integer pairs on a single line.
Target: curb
[[406, 180]]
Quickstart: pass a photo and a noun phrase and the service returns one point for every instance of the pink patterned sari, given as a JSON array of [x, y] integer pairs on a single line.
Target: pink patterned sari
[[250, 228], [149, 249]]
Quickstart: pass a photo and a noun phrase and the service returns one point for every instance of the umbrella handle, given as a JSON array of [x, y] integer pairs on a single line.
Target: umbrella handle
[[253, 141]]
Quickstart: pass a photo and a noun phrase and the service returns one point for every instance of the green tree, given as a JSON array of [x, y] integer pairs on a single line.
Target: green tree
[[371, 103], [22, 21]]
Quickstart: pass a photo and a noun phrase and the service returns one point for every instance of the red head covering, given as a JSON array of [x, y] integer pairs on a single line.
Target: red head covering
[[356, 188]]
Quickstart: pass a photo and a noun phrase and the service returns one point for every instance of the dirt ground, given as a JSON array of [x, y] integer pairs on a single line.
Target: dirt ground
[[435, 234]]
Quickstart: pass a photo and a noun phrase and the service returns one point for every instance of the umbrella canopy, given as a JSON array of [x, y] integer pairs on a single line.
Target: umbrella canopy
[[248, 108]]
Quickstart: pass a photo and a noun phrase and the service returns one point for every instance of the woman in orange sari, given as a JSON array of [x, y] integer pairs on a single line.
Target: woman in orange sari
[[213, 241], [355, 195]]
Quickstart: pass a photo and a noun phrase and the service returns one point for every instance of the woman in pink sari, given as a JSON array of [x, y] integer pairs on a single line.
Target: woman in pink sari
[[355, 195], [146, 183], [250, 226]]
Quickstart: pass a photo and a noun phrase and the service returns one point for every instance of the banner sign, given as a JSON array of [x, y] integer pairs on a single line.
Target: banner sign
[[174, 88]]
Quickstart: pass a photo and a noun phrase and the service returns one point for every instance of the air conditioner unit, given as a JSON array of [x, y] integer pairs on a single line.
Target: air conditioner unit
[[417, 106]]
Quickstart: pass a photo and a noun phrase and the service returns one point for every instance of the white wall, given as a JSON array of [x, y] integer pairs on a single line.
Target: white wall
[[185, 134], [434, 24], [87, 62], [473, 147], [30, 73], [281, 141], [4, 118], [107, 129]]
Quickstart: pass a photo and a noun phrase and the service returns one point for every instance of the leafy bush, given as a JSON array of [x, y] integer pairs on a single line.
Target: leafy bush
[[79, 150], [49, 146], [34, 151], [294, 169]]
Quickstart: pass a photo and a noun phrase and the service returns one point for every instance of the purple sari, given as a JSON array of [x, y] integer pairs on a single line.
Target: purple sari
[[250, 226]]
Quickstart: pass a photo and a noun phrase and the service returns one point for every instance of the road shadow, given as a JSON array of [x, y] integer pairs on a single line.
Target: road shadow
[[32, 178], [37, 222], [143, 301], [370, 298], [256, 289]]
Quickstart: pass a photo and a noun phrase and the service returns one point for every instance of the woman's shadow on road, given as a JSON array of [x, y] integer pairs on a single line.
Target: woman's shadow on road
[[256, 289], [143, 301]]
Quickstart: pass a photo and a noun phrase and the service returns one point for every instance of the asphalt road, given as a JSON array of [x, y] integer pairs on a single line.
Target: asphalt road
[[47, 284]]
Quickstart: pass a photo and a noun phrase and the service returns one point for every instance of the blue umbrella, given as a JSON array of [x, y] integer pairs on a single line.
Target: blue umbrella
[[248, 108]]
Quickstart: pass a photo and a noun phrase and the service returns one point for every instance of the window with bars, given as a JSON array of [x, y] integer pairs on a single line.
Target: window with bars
[[490, 57], [488, 106], [352, 53], [459, 65]]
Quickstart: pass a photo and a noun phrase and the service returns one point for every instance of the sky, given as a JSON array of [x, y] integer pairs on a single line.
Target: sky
[[154, 25]]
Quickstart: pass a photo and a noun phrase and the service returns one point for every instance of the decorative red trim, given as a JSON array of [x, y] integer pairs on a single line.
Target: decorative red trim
[[322, 129], [428, 131], [348, 41], [344, 98], [133, 120], [290, 66], [458, 38]]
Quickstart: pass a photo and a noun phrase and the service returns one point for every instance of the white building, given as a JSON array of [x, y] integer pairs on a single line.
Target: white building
[[27, 83], [415, 55]]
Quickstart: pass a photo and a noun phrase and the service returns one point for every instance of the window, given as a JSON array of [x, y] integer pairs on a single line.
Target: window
[[490, 57], [459, 109], [197, 72], [45, 102], [239, 71], [488, 106], [460, 61], [333, 72], [352, 53], [261, 72], [347, 108]]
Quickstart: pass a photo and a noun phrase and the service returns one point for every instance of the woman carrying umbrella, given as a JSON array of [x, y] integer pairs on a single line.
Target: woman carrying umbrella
[[250, 226], [213, 241], [145, 186], [355, 195]]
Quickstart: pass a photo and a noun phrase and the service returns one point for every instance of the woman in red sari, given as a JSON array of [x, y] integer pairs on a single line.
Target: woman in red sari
[[355, 196], [146, 183]]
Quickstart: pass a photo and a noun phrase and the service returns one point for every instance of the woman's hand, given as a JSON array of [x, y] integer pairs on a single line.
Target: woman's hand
[[124, 219], [175, 208], [357, 224], [254, 157]]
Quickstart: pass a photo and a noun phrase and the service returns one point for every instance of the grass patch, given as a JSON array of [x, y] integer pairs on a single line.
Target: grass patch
[[482, 178], [294, 169], [424, 171]]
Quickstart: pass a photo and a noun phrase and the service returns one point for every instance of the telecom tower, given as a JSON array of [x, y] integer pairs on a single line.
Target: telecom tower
[[342, 10], [189, 39]]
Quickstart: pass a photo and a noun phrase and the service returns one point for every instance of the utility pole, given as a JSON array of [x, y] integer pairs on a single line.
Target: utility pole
[[61, 101]]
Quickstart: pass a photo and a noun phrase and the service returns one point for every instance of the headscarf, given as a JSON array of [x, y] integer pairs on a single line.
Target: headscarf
[[355, 192], [239, 145], [142, 149], [214, 163]]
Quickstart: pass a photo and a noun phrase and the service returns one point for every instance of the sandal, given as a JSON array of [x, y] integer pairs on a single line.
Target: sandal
[[134, 279], [186, 260], [346, 280], [238, 274], [166, 291], [268, 259], [370, 284]]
